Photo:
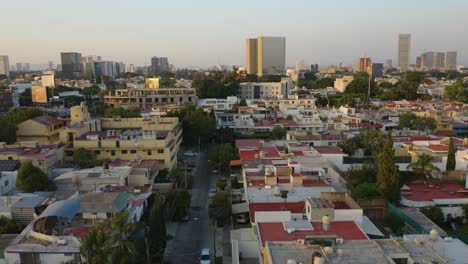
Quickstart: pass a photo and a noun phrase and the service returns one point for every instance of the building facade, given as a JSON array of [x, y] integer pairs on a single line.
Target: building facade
[[159, 64], [267, 54], [451, 60], [404, 51], [251, 56], [260, 90], [71, 64], [4, 65]]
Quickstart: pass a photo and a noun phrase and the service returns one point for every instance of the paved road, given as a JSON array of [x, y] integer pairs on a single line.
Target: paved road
[[190, 237]]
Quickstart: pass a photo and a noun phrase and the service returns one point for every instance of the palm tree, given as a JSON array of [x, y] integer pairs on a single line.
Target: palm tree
[[92, 246], [119, 242], [424, 164]]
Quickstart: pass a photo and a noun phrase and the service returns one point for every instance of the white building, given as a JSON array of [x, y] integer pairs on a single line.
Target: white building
[[343, 82], [48, 80], [4, 65], [261, 90], [404, 51]]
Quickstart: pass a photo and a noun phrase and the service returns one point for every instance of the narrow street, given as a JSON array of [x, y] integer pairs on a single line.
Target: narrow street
[[190, 237]]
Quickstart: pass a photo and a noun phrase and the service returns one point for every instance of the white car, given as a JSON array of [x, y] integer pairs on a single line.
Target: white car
[[205, 257], [189, 154]]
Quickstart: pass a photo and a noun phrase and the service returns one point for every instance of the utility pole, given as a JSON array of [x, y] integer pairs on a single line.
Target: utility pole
[[185, 173]]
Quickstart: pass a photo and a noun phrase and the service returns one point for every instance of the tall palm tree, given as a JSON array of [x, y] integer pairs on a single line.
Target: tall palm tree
[[119, 242], [424, 164], [92, 246]]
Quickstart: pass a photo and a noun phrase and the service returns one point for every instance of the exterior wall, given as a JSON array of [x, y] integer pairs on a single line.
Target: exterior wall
[[271, 55], [348, 215], [52, 258], [7, 181], [31, 130]]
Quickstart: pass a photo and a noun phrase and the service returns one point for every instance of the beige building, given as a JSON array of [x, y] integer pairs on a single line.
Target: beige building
[[263, 90], [267, 54], [44, 156], [45, 129], [363, 65], [404, 51], [146, 99], [135, 138], [48, 80], [343, 82]]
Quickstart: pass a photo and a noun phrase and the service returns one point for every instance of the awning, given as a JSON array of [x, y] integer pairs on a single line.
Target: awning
[[65, 208], [240, 208], [235, 163]]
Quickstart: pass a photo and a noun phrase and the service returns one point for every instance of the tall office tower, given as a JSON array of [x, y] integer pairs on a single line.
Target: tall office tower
[[26, 67], [271, 59], [130, 68], [388, 64], [363, 65], [4, 65], [418, 62], [451, 60], [71, 64], [91, 58], [404, 48], [439, 60], [377, 70], [159, 64], [19, 66], [300, 66], [251, 55], [51, 65], [88, 65], [314, 68]]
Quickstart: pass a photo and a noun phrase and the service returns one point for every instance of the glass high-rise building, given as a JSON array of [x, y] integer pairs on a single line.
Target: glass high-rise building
[[451, 60], [71, 64], [266, 55]]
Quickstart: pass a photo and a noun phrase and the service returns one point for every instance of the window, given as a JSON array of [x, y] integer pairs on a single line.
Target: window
[[330, 143], [149, 152], [6, 183], [117, 144], [97, 152], [112, 152], [160, 151], [124, 151], [325, 170], [133, 151]]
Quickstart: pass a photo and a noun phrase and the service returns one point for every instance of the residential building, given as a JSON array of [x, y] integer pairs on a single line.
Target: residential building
[[451, 60], [135, 138], [27, 208], [264, 90], [71, 64], [8, 173], [89, 69], [159, 64], [43, 156], [146, 99], [340, 84], [216, 104], [44, 129], [4, 65], [48, 80], [19, 66], [268, 54], [404, 51]]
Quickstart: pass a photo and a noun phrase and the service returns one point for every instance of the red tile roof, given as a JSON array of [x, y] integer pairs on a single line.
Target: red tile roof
[[47, 120], [437, 148], [276, 232], [270, 153], [329, 150], [428, 191], [295, 208], [254, 143]]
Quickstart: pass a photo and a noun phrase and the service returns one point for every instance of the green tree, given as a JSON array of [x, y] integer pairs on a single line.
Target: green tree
[[220, 156], [18, 115], [93, 246], [424, 165], [220, 208], [25, 98], [221, 184], [456, 91], [178, 202], [8, 131], [243, 102], [406, 120], [451, 161], [435, 214], [388, 182], [10, 226], [110, 112], [365, 190], [84, 158], [119, 242], [278, 133], [32, 179], [157, 229], [360, 85]]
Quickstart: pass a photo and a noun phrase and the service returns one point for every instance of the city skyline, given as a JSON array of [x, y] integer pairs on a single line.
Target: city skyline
[[324, 35]]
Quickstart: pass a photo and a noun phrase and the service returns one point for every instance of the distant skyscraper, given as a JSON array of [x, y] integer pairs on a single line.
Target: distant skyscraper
[[251, 56], [439, 60], [363, 65], [159, 64], [389, 64], [26, 67], [314, 68], [19, 66], [88, 65], [377, 70], [4, 65], [71, 64], [51, 65], [404, 51], [451, 60], [418, 62], [300, 66]]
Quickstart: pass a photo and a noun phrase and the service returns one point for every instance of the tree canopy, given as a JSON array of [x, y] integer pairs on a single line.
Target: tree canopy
[[84, 158], [178, 202], [32, 179], [451, 160], [388, 177], [412, 121], [457, 91], [424, 165], [220, 156], [220, 208]]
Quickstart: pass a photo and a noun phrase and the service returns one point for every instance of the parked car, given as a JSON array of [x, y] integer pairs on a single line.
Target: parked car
[[205, 257], [212, 192], [242, 219], [190, 154], [185, 218]]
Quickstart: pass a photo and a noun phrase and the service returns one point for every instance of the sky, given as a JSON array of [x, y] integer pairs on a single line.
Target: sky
[[209, 32]]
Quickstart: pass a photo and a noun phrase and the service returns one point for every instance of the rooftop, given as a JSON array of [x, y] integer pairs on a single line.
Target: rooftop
[[257, 194], [347, 230], [429, 191], [47, 120], [329, 150]]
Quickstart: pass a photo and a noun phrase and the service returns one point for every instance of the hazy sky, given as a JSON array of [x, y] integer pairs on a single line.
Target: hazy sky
[[208, 32]]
